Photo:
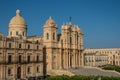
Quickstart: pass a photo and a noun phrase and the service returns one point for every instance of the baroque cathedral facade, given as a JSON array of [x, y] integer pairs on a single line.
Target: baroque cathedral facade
[[23, 56]]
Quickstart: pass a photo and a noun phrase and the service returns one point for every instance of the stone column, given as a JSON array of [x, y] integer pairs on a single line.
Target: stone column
[[73, 59], [2, 72], [60, 61], [4, 65], [82, 60], [69, 59], [79, 59], [64, 59], [49, 59]]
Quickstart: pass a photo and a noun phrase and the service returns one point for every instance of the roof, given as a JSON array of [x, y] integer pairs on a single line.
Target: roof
[[50, 23], [18, 19]]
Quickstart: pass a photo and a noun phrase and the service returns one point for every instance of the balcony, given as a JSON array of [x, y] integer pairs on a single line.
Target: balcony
[[20, 62]]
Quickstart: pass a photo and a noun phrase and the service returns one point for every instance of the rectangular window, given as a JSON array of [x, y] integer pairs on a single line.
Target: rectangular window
[[9, 58], [23, 33], [28, 46], [47, 36], [19, 58], [9, 45], [16, 32], [37, 68], [9, 71], [19, 45], [28, 70], [37, 47], [28, 58], [37, 58]]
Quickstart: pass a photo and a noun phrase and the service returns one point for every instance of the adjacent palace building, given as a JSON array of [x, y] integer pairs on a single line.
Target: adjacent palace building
[[23, 56]]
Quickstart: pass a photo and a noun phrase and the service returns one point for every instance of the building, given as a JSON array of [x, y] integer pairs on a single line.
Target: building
[[20, 57], [63, 50], [23, 56], [101, 57]]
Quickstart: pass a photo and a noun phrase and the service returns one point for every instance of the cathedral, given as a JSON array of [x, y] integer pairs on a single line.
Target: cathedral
[[24, 57], [63, 50]]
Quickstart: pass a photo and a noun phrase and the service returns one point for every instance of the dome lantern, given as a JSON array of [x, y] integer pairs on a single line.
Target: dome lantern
[[17, 12]]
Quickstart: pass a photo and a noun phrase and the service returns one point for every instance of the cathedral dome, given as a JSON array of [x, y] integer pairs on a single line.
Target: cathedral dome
[[50, 22], [17, 20]]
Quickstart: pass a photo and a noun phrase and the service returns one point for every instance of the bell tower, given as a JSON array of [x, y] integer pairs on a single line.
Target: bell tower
[[50, 33], [50, 42]]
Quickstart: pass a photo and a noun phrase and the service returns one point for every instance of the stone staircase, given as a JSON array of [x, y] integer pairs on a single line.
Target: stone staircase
[[60, 72], [84, 71], [94, 71]]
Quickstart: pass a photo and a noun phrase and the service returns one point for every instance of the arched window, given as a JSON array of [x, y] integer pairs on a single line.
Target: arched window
[[16, 32], [53, 36], [47, 36]]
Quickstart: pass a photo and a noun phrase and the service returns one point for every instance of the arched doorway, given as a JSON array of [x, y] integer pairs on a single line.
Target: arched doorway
[[19, 72]]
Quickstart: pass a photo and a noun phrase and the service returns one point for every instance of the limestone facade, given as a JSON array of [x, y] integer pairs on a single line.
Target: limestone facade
[[20, 56], [63, 50], [100, 57]]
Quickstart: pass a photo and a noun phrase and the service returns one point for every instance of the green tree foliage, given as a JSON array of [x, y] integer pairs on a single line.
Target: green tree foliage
[[81, 77], [116, 68]]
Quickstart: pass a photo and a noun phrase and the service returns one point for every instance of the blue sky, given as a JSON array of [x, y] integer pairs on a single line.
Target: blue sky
[[98, 19]]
